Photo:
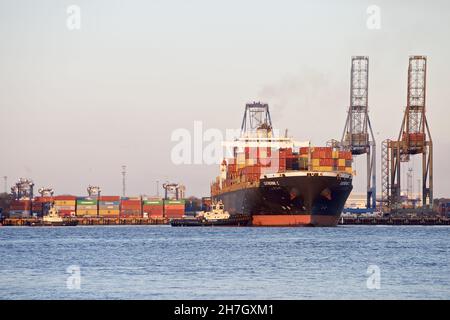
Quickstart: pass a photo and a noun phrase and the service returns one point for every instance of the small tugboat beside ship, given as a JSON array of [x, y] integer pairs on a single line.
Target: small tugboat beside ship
[[217, 216], [53, 219]]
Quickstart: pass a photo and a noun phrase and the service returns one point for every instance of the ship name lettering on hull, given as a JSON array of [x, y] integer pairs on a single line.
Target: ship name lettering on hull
[[271, 183]]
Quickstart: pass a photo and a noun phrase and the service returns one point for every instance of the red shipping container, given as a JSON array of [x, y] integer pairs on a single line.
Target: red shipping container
[[132, 208], [20, 205], [43, 199], [284, 153], [129, 216], [322, 154], [130, 202], [174, 215], [325, 149], [304, 150], [154, 211], [65, 197], [66, 213], [347, 155], [327, 162], [109, 198]]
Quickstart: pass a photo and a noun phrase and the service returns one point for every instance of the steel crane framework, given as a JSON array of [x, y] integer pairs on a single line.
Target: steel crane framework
[[414, 139], [358, 135]]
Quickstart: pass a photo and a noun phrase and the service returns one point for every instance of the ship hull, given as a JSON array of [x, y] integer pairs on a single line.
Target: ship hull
[[296, 199]]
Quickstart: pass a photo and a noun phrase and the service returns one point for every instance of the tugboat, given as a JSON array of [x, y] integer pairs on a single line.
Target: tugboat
[[53, 219], [217, 216]]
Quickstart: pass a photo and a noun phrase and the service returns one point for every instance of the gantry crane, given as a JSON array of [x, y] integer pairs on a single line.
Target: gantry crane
[[358, 135], [46, 192], [174, 190], [414, 138], [256, 117], [23, 189]]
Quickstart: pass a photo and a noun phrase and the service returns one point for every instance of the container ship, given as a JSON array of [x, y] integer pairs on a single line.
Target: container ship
[[281, 182]]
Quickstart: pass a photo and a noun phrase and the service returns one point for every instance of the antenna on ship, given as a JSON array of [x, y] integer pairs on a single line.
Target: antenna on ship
[[124, 173]]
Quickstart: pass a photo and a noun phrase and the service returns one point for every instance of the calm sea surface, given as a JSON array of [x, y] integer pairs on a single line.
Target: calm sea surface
[[160, 262]]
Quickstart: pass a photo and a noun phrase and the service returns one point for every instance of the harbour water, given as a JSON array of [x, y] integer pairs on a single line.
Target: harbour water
[[160, 262]]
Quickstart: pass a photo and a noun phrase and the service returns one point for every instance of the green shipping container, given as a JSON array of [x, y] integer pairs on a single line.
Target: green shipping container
[[175, 202], [87, 202], [153, 202]]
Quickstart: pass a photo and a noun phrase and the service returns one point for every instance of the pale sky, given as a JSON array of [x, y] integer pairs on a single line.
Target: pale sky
[[76, 105]]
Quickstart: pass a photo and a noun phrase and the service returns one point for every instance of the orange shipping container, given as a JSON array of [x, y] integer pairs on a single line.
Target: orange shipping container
[[347, 155]]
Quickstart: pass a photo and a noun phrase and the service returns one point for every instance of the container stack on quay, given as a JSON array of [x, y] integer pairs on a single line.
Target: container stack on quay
[[174, 209], [131, 207], [112, 207], [20, 209], [40, 206], [109, 206], [66, 205], [152, 208], [86, 207], [37, 208]]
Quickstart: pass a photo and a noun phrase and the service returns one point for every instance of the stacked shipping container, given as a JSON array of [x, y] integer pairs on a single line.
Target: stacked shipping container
[[66, 205], [328, 159], [249, 165], [20, 209], [86, 207], [153, 208], [109, 206], [41, 206], [104, 206], [37, 208], [131, 207], [174, 209]]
